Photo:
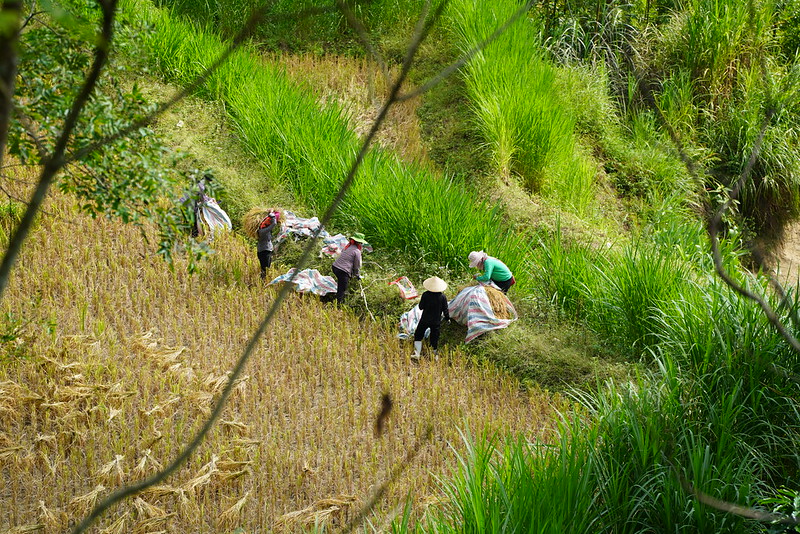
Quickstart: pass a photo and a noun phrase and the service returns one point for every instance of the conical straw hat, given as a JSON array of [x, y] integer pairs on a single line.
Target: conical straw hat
[[435, 284]]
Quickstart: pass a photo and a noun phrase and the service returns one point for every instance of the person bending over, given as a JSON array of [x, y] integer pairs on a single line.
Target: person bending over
[[493, 269], [348, 265]]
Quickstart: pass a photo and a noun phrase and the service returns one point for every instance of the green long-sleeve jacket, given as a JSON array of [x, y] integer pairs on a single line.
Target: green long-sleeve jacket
[[494, 269]]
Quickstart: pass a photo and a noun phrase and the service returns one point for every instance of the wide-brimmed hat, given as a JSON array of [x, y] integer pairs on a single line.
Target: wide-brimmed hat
[[476, 257], [435, 284], [358, 237]]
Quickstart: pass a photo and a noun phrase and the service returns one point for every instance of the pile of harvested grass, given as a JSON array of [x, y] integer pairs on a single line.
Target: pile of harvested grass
[[253, 218], [498, 301]]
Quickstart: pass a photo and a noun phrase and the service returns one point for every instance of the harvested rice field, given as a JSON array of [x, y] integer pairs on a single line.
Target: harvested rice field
[[112, 361]]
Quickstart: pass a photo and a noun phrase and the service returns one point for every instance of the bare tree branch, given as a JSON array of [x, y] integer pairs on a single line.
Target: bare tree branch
[[736, 509], [10, 14], [56, 160], [714, 229], [30, 129], [30, 16], [715, 225]]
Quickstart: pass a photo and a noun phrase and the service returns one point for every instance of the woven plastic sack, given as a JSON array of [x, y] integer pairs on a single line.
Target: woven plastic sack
[[407, 289]]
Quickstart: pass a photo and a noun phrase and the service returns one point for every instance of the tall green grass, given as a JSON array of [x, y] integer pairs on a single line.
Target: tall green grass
[[617, 292], [496, 492], [284, 26], [721, 72], [636, 284], [398, 206], [713, 39], [625, 468], [565, 272], [718, 411], [517, 110]]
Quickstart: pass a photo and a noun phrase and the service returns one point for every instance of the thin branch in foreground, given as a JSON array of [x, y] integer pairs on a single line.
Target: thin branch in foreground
[[30, 129], [10, 14], [737, 509], [714, 229]]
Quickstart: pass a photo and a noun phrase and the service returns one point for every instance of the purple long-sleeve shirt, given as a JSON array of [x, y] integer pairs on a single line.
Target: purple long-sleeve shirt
[[349, 260]]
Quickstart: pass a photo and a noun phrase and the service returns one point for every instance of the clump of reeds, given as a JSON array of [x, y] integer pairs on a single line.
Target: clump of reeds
[[529, 131]]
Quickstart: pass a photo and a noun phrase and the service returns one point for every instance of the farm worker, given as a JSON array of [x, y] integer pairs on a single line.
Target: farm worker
[[433, 304], [196, 195], [493, 269], [265, 247], [348, 265]]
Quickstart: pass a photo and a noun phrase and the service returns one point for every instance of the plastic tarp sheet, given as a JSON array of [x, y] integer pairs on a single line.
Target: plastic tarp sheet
[[471, 307], [409, 321], [213, 216], [333, 245], [309, 281], [295, 226]]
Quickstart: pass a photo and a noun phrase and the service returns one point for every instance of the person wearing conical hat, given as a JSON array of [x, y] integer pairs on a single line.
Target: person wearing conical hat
[[348, 265], [433, 304], [493, 269]]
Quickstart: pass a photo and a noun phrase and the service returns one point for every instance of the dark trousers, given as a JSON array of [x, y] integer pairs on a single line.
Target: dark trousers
[[342, 281], [419, 333], [265, 259], [504, 286]]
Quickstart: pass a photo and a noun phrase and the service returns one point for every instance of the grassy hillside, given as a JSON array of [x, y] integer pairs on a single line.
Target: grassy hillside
[[107, 388], [111, 360]]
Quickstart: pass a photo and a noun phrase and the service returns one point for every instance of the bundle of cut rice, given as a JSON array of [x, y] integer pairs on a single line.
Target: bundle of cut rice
[[252, 219], [496, 298], [498, 302]]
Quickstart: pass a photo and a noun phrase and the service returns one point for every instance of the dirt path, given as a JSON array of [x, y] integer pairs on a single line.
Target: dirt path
[[788, 256]]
